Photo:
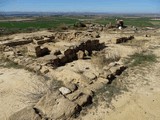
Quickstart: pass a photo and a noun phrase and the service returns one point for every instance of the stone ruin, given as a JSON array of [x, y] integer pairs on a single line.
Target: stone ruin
[[78, 89], [77, 52], [25, 41], [76, 36], [37, 51]]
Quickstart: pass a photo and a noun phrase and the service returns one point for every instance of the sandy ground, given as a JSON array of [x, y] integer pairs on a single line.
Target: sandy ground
[[14, 82], [142, 101]]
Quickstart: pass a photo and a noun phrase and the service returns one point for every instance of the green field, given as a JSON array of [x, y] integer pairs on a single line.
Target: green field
[[11, 27], [138, 22], [55, 22], [39, 23]]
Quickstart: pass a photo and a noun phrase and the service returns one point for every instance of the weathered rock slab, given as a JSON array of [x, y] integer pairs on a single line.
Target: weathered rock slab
[[27, 113], [55, 106]]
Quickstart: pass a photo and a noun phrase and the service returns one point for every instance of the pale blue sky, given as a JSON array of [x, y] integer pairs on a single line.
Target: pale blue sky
[[115, 6]]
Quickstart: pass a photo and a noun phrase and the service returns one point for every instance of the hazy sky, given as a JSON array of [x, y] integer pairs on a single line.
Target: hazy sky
[[116, 6]]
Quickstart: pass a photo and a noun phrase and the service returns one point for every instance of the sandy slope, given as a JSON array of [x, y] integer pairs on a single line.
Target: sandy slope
[[141, 103], [13, 82]]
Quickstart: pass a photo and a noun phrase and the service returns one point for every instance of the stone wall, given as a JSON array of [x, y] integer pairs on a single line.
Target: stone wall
[[124, 39], [70, 55]]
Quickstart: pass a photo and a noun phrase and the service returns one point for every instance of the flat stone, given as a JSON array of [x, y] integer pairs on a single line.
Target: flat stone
[[64, 90], [90, 75]]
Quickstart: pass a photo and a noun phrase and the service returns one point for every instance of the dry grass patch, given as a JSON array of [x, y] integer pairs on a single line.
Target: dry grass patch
[[103, 59], [141, 59]]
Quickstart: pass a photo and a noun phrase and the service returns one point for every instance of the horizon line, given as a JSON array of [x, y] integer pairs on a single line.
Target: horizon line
[[78, 12]]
